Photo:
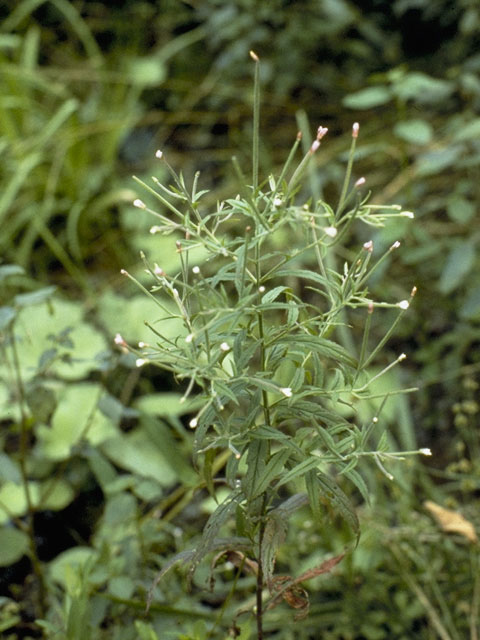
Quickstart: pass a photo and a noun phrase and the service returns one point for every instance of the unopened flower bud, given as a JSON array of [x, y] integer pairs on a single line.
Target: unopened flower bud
[[368, 246], [425, 452], [331, 232], [315, 145], [359, 183], [355, 130], [158, 154], [254, 56], [225, 346], [403, 304], [193, 423], [321, 131], [287, 392], [139, 362], [139, 204], [196, 270], [119, 340], [395, 245], [408, 214]]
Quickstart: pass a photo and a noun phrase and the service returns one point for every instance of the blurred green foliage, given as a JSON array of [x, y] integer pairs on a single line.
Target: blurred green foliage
[[87, 92]]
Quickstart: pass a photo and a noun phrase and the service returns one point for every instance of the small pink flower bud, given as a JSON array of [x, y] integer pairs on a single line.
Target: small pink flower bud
[[395, 245], [355, 130], [370, 307], [413, 292], [321, 131], [315, 145], [360, 182], [299, 135], [368, 246], [254, 56], [119, 340]]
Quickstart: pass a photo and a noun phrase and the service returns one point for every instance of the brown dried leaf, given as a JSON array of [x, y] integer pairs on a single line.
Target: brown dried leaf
[[451, 521], [286, 586]]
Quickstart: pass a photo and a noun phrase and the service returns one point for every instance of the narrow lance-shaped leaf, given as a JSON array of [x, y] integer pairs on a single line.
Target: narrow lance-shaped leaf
[[215, 521]]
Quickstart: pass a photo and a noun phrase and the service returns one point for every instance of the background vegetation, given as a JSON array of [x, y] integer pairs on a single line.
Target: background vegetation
[[89, 90]]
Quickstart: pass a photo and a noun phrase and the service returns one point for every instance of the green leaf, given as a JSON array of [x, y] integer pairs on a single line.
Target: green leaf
[[337, 498], [167, 404], [13, 545], [163, 439], [76, 558], [422, 88], [134, 452], [459, 263], [299, 470], [322, 346], [274, 535], [271, 471], [469, 131], [256, 462], [414, 131], [460, 209], [7, 270], [436, 161], [218, 518], [207, 470], [314, 494], [76, 417], [7, 316], [41, 401], [34, 329], [272, 295], [368, 98], [9, 469], [53, 494], [470, 309], [358, 481], [303, 274], [35, 297]]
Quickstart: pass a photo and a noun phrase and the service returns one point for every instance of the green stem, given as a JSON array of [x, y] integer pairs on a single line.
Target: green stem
[[23, 454], [256, 120]]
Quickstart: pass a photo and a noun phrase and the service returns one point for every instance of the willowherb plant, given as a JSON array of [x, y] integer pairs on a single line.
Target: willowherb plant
[[267, 346]]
